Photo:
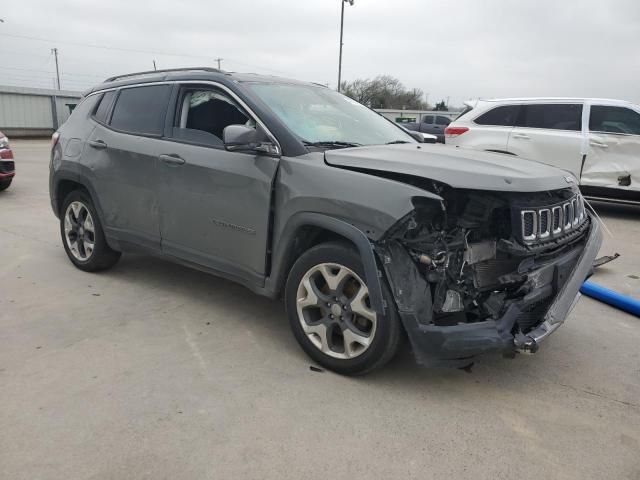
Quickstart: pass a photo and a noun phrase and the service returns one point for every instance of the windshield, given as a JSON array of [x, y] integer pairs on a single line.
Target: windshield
[[319, 115]]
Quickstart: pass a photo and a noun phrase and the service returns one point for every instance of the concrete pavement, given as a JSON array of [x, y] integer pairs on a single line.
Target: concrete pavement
[[152, 370]]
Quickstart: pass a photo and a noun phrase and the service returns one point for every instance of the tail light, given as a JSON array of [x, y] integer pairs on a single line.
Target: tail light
[[452, 132], [54, 139], [5, 149]]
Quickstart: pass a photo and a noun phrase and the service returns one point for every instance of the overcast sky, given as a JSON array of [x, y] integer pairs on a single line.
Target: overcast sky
[[459, 49]]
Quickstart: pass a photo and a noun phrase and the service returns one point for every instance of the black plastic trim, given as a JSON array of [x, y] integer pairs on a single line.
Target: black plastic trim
[[281, 258]]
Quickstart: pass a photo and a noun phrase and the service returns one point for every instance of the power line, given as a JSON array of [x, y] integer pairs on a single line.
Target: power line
[[136, 50], [51, 72], [104, 47]]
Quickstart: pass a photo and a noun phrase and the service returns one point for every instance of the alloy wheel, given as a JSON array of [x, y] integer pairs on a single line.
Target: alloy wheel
[[79, 231], [334, 311]]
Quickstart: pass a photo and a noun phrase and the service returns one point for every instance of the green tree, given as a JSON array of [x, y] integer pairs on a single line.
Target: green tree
[[441, 107]]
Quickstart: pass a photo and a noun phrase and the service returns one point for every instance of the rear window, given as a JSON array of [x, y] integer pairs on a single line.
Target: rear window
[[141, 109], [504, 116], [466, 110], [551, 116], [103, 106], [614, 120]]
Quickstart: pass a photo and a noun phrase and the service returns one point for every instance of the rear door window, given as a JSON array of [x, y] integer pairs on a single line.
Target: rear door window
[[427, 119], [141, 109], [101, 112], [442, 120], [614, 120], [504, 116], [552, 116]]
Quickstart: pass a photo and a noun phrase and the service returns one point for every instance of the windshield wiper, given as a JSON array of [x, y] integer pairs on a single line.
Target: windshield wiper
[[331, 144], [396, 141]]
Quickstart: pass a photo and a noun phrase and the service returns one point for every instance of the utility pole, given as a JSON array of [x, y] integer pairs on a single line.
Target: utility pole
[[218, 60], [342, 2], [55, 54]]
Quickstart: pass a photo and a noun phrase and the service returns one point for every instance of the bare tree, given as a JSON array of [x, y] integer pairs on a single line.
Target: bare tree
[[384, 91]]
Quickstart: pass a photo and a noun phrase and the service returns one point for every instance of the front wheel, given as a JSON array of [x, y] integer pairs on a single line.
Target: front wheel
[[330, 312], [82, 234]]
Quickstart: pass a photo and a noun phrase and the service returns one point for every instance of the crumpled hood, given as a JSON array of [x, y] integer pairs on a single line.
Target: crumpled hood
[[457, 167]]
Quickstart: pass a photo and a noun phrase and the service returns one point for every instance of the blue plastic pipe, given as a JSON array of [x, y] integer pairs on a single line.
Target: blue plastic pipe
[[615, 299]]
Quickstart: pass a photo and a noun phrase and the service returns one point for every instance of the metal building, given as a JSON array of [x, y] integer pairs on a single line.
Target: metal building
[[31, 112]]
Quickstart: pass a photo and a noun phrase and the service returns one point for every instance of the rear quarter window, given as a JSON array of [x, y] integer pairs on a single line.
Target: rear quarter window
[[466, 110], [504, 116], [141, 109], [100, 113]]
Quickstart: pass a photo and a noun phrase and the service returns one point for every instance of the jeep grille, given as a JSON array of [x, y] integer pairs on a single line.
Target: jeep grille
[[552, 221]]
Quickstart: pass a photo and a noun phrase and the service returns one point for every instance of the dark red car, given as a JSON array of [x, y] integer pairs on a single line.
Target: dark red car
[[7, 167]]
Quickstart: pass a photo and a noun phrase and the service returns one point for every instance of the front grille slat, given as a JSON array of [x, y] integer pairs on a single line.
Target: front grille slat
[[557, 220], [552, 221], [529, 224], [545, 227]]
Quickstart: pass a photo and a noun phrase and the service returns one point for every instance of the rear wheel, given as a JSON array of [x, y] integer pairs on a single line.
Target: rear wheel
[[4, 184], [330, 312], [82, 234]]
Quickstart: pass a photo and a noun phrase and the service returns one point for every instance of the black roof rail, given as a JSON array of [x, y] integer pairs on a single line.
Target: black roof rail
[[166, 70]]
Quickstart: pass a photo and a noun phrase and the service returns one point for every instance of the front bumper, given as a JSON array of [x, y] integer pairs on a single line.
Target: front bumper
[[7, 169], [455, 345]]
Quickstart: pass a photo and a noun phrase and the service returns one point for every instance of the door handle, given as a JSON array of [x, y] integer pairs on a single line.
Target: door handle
[[172, 159], [521, 136], [595, 143], [99, 144]]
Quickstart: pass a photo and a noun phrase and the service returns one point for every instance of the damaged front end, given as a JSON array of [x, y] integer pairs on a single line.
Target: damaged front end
[[487, 271]]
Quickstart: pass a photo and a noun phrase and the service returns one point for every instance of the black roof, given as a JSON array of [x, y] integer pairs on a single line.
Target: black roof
[[188, 73]]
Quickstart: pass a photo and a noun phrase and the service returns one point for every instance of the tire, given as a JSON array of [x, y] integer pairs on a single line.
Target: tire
[[4, 184], [336, 326], [89, 251]]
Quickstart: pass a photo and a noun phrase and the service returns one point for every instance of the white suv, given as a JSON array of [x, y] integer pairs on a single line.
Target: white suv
[[597, 140]]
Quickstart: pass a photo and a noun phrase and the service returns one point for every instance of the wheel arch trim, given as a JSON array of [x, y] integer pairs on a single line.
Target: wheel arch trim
[[282, 256], [78, 178]]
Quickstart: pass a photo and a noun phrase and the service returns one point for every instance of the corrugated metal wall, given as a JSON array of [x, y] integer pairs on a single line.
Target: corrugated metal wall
[[25, 111], [31, 111], [62, 107]]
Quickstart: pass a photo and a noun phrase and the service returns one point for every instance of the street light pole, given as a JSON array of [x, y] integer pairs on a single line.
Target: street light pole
[[341, 31]]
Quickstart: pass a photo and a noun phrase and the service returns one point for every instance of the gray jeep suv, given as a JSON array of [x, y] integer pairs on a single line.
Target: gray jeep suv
[[295, 190]]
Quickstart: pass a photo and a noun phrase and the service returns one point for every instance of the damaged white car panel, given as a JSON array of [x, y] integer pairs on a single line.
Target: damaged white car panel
[[597, 140]]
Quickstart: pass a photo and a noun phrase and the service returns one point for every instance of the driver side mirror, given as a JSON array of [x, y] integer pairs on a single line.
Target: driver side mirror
[[243, 138]]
